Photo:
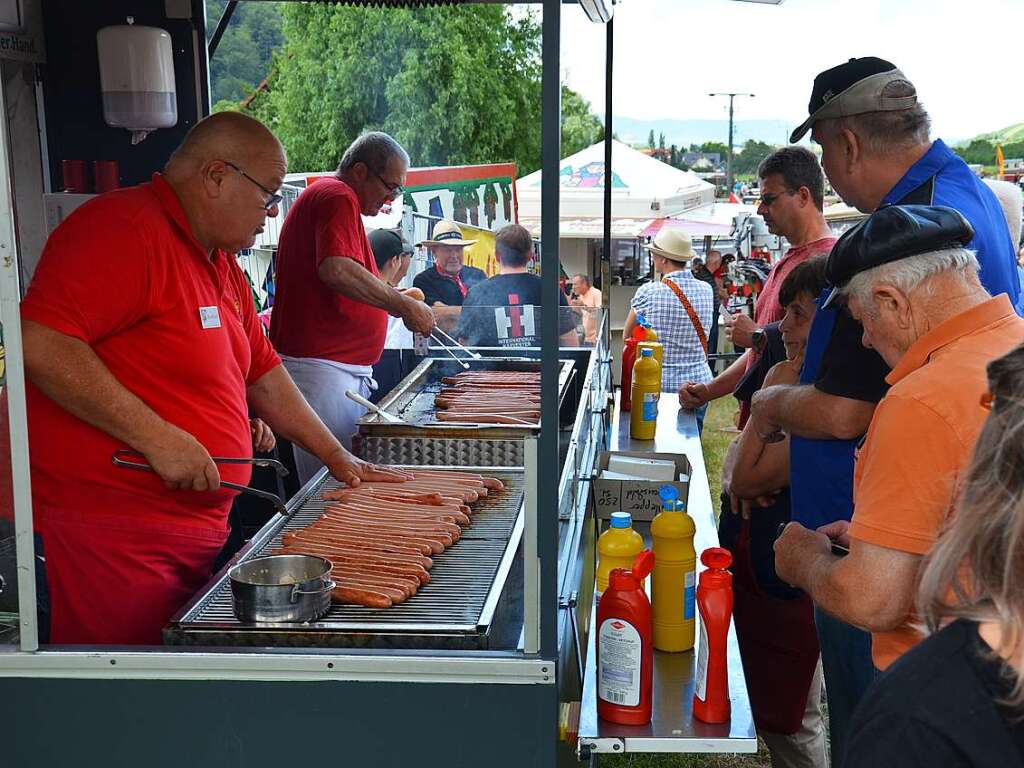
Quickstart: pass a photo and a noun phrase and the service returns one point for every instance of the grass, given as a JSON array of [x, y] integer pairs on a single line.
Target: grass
[[715, 441]]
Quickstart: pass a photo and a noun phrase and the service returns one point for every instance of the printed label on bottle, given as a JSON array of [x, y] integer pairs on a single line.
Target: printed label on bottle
[[650, 411], [689, 596], [618, 666], [700, 682]]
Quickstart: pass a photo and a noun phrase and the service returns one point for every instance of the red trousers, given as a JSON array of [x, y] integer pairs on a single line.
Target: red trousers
[[115, 583]]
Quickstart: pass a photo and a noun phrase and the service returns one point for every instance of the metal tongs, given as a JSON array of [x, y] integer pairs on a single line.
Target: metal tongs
[[120, 459], [390, 418], [454, 345]]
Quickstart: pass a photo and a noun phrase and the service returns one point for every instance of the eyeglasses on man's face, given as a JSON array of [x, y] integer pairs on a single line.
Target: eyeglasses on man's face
[[273, 198], [768, 200], [394, 190]]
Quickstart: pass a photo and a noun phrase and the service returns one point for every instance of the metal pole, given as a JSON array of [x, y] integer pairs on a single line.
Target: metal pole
[[607, 250], [728, 154], [222, 25], [547, 476]]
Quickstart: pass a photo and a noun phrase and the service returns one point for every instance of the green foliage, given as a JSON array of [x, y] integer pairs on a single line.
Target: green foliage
[[580, 127], [661, 141], [750, 156], [978, 151], [712, 146], [650, 139], [243, 54]]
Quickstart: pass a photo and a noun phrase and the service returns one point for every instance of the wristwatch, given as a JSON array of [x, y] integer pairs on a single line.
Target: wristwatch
[[758, 340]]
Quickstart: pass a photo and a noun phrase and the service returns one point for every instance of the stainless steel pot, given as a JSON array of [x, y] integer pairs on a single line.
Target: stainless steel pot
[[281, 588]]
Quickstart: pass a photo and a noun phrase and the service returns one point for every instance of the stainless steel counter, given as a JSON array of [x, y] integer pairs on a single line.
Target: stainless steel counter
[[673, 727]]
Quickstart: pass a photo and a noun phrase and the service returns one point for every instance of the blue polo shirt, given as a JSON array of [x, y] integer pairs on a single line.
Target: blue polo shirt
[[942, 178]]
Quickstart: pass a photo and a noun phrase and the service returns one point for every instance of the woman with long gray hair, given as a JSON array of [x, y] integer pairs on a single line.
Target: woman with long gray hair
[[957, 699]]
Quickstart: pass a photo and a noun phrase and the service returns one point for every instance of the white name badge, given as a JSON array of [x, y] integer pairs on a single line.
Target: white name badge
[[209, 317]]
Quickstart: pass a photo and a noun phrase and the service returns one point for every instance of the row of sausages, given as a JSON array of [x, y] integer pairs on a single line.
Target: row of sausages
[[490, 397], [381, 536]]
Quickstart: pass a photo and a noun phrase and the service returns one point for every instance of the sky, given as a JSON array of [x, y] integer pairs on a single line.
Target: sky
[[669, 54]]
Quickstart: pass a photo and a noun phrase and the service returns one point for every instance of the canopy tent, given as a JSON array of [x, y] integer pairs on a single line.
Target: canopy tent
[[643, 188]]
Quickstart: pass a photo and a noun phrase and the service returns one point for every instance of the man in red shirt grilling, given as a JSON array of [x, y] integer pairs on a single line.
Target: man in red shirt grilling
[[140, 333]]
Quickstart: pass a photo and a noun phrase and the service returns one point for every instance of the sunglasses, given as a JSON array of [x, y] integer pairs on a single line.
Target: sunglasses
[[273, 198], [769, 200]]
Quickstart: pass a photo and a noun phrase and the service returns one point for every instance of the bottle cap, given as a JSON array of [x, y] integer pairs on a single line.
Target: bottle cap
[[716, 558], [646, 352], [643, 564], [622, 520], [669, 496]]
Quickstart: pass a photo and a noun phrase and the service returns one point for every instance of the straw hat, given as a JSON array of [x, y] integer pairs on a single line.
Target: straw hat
[[672, 244], [447, 233]]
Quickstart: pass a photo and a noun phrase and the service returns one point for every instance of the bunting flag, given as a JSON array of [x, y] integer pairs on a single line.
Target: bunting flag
[[1000, 161]]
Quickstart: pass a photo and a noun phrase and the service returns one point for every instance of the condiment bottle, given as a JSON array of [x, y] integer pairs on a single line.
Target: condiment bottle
[[629, 358], [643, 419], [714, 601], [674, 579], [625, 655], [617, 547], [657, 346]]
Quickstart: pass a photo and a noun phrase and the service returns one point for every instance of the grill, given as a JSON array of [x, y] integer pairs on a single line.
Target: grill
[[425, 441], [467, 598]]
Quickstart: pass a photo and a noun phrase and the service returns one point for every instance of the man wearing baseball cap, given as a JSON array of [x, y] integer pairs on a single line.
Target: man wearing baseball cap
[[906, 274], [876, 150]]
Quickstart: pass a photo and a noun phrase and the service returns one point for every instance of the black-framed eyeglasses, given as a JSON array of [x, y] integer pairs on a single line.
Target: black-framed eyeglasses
[[395, 190], [769, 199], [273, 198]]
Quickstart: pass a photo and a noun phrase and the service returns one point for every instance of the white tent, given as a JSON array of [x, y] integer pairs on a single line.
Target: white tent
[[643, 188]]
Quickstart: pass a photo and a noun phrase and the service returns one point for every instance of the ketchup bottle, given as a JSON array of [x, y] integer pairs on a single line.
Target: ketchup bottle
[[625, 653], [714, 602], [640, 333]]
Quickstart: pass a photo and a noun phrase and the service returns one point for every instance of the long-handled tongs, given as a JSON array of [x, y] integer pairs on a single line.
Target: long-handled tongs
[[121, 459], [453, 346]]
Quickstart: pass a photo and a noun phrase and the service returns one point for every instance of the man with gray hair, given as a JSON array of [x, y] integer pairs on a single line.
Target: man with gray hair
[[331, 308], [908, 277]]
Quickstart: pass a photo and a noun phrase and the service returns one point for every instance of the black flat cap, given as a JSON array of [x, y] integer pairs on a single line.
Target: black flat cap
[[890, 234]]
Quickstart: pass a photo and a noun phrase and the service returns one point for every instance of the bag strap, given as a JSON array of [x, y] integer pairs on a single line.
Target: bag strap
[[690, 311]]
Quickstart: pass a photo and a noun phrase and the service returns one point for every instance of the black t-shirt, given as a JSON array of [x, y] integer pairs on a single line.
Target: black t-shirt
[[437, 287], [704, 275], [504, 311], [848, 368], [936, 706]]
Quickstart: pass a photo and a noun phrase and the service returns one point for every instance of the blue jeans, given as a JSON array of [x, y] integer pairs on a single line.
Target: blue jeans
[[849, 670], [700, 412]]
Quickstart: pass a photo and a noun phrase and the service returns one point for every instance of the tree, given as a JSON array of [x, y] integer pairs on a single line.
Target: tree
[[661, 141], [710, 147], [243, 54], [650, 139], [750, 156], [454, 85], [979, 151]]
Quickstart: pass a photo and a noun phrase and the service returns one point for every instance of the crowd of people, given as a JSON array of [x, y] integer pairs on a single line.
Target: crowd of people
[[874, 486]]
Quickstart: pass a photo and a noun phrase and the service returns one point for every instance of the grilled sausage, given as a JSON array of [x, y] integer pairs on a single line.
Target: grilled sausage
[[359, 596]]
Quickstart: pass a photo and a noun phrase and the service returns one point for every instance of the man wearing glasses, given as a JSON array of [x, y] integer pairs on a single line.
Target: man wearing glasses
[[140, 333], [331, 308]]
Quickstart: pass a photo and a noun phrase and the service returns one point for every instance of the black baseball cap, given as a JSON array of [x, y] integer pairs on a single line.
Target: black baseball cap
[[386, 244], [854, 88], [890, 234]]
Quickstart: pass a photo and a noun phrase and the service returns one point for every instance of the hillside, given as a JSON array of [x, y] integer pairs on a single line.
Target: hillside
[[683, 133], [1009, 135]]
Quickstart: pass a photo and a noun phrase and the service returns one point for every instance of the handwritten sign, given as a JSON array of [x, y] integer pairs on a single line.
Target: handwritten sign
[[641, 498]]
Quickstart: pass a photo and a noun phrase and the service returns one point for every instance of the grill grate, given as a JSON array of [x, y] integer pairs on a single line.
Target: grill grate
[[462, 580]]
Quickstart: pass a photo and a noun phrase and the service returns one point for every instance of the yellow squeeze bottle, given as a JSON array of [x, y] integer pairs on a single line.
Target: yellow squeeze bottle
[[673, 581], [646, 389], [617, 547]]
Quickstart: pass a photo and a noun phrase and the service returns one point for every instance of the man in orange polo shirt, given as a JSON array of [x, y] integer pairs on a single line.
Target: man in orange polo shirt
[[909, 280], [139, 333]]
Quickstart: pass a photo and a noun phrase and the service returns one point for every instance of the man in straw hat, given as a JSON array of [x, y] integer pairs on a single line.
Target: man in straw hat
[[331, 310], [680, 309], [447, 284]]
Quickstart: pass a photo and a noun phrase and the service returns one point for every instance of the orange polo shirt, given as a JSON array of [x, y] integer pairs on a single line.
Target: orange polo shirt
[[921, 439]]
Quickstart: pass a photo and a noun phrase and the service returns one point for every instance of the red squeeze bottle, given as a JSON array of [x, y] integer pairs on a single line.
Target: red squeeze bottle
[[625, 651], [628, 359], [714, 601]]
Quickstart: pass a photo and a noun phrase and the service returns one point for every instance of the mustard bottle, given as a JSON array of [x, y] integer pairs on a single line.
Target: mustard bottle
[[617, 547], [646, 389], [673, 582], [657, 346]]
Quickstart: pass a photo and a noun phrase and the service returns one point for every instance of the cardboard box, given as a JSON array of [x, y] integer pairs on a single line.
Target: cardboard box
[[638, 497]]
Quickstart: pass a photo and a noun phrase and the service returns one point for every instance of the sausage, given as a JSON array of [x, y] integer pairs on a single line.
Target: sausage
[[377, 511], [341, 559], [359, 596], [386, 571], [412, 521], [406, 563], [438, 540], [388, 505], [416, 551], [489, 482]]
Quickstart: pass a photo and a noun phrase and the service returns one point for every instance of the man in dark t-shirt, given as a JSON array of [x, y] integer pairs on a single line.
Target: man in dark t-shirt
[[447, 283], [504, 310]]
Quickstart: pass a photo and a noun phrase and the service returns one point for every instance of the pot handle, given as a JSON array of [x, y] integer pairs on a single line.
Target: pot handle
[[327, 587]]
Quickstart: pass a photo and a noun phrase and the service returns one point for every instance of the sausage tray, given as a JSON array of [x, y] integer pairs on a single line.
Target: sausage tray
[[473, 599]]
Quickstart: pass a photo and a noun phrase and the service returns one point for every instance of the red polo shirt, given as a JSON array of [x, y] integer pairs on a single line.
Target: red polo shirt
[[124, 274], [310, 319]]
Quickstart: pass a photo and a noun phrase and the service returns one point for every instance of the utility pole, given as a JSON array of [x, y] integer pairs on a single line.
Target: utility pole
[[728, 155]]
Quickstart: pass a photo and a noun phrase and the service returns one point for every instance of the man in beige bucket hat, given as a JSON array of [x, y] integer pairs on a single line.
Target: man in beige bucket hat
[[449, 280]]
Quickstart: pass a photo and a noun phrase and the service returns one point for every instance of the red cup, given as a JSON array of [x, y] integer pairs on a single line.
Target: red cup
[[105, 173], [75, 177]]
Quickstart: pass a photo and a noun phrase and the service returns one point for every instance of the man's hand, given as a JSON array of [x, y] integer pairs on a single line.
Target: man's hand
[[739, 329], [263, 440], [795, 549], [351, 470], [693, 395], [181, 461], [417, 316], [761, 420], [838, 532]]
